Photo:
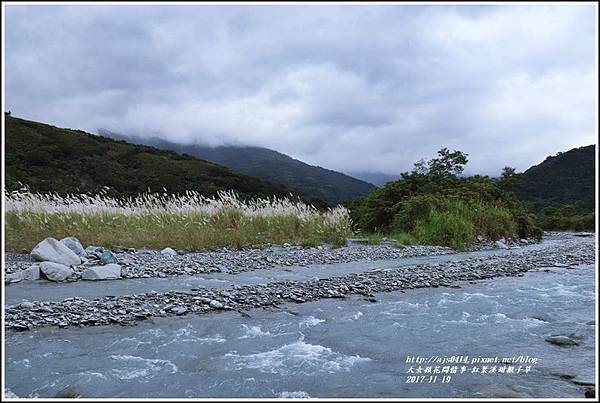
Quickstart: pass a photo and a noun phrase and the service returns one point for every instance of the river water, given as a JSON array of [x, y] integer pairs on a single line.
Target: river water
[[328, 348]]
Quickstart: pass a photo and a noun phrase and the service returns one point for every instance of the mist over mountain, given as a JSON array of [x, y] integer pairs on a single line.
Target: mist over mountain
[[275, 167], [52, 159]]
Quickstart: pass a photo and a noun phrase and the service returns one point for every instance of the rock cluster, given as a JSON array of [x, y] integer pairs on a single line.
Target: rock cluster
[[59, 258]]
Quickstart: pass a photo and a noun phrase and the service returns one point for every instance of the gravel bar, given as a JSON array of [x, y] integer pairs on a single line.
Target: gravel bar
[[129, 309]]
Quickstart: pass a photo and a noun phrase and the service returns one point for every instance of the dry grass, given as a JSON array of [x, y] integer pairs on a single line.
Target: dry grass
[[190, 221]]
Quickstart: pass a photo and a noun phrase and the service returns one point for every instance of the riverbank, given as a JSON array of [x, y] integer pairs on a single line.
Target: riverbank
[[129, 309]]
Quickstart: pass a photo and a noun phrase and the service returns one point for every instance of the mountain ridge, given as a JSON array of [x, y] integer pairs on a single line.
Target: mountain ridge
[[565, 178], [51, 159], [270, 165]]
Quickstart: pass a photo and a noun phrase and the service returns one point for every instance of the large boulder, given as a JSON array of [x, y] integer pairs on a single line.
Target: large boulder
[[31, 273], [55, 271], [108, 272], [73, 244], [51, 250]]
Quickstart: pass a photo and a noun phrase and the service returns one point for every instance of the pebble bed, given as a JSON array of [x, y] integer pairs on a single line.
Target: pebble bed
[[151, 263]]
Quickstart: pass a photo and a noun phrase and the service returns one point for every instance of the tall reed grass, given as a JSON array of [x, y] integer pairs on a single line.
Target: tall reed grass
[[190, 221]]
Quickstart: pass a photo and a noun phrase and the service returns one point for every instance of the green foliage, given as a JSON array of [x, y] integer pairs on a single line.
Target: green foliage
[[446, 227], [565, 218], [65, 161], [567, 178], [432, 204]]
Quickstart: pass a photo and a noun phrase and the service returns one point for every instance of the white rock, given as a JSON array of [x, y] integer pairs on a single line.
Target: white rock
[[216, 304], [168, 252], [51, 250], [501, 245], [109, 272], [31, 273], [73, 244], [12, 278], [55, 271]]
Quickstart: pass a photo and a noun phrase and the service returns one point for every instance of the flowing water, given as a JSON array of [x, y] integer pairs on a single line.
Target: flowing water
[[328, 348]]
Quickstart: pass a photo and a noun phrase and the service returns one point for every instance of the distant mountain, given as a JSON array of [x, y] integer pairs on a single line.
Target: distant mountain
[[376, 178], [48, 158], [566, 178], [270, 165]]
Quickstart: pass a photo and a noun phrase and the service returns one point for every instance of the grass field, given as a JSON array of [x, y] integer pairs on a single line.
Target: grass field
[[189, 222]]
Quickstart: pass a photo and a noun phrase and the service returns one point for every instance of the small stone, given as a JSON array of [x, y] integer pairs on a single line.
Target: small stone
[[561, 341], [500, 245], [216, 304], [94, 249], [107, 257], [179, 310], [168, 252]]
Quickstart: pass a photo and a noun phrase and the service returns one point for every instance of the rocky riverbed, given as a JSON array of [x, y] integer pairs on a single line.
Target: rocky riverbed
[[130, 309], [152, 263]]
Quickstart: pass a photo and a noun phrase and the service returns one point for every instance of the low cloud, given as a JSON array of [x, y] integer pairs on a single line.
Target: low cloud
[[351, 88]]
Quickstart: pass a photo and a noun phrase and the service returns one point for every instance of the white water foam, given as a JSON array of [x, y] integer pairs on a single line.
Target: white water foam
[[138, 367], [91, 374], [251, 332], [499, 317], [310, 321], [294, 358]]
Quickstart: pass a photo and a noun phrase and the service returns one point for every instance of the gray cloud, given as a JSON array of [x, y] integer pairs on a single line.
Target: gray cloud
[[352, 88]]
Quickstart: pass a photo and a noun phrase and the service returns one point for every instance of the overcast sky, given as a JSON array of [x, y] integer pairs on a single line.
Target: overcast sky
[[351, 88]]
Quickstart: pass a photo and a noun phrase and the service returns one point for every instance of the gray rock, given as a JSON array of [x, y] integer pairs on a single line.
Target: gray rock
[[94, 249], [179, 310], [500, 245], [51, 250], [26, 305], [168, 252], [12, 278], [31, 273], [109, 272], [561, 340], [55, 271], [73, 244], [107, 257]]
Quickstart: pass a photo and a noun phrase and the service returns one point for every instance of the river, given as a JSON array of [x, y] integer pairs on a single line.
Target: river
[[327, 348]]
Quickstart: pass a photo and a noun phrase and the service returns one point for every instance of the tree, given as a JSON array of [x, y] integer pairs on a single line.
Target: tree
[[508, 172], [448, 164]]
